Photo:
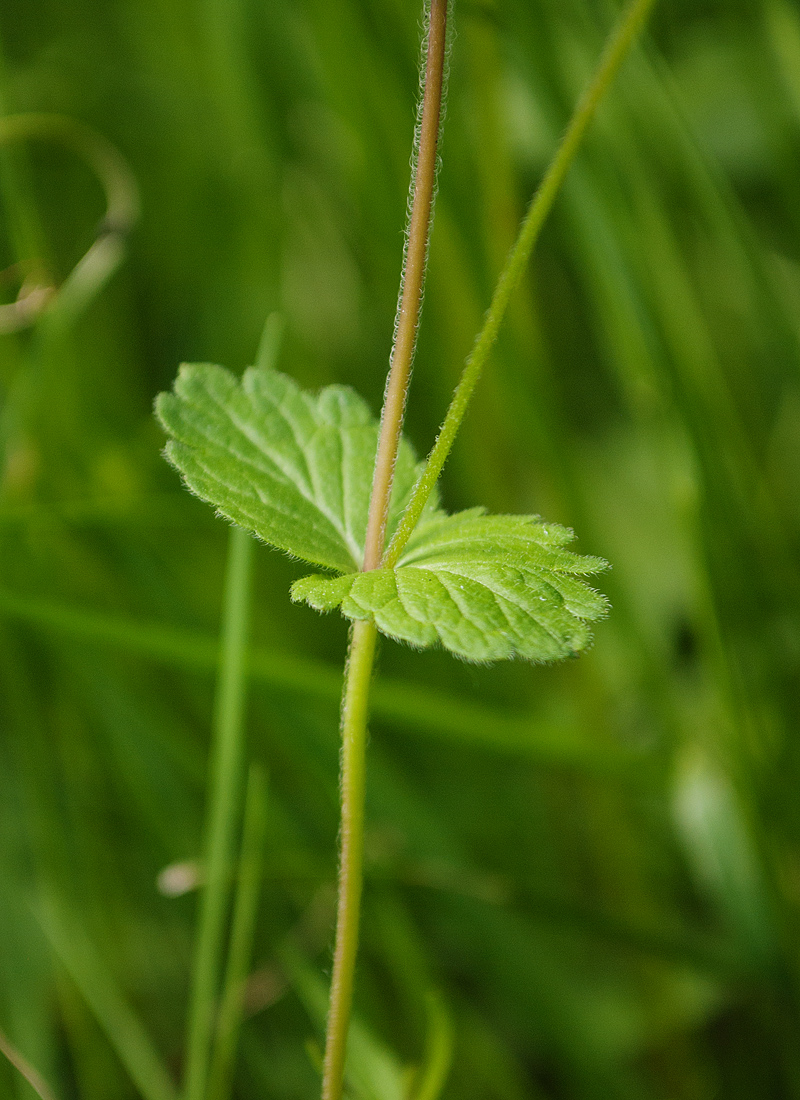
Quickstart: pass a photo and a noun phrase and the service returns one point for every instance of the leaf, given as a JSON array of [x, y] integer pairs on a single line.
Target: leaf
[[485, 587], [293, 467], [296, 469]]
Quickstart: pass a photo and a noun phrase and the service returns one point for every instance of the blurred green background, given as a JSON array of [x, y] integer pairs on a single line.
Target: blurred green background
[[595, 866]]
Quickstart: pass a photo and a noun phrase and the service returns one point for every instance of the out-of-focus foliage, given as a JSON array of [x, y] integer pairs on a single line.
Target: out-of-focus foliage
[[597, 866]]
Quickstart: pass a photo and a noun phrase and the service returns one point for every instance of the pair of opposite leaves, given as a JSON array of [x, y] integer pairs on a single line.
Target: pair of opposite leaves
[[296, 469]]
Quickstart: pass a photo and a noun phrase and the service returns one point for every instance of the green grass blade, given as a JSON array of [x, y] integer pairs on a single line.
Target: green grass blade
[[31, 1075], [225, 795], [270, 342], [439, 1055], [372, 1072], [619, 43], [241, 945], [96, 985]]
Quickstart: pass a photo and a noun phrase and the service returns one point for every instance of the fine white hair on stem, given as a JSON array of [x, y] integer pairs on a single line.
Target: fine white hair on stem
[[424, 166], [425, 20]]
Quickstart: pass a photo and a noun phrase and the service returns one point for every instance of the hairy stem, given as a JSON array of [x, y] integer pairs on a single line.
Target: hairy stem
[[363, 637], [411, 285], [613, 55], [354, 738]]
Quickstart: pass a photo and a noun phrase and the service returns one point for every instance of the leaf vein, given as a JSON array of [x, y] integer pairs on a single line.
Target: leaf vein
[[254, 436]]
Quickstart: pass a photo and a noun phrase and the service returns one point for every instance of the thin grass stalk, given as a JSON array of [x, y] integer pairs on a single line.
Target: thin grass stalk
[[613, 55], [25, 1069], [241, 943], [439, 1053], [97, 986], [223, 813]]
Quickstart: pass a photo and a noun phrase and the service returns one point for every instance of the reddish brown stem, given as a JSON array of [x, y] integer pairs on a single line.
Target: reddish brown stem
[[411, 289]]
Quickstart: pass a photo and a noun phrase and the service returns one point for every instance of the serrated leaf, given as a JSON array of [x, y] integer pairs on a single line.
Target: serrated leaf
[[296, 468], [293, 467], [485, 587]]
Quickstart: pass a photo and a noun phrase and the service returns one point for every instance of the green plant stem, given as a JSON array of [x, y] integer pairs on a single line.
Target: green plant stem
[[241, 943], [612, 57], [411, 284], [354, 737], [225, 787], [364, 633]]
